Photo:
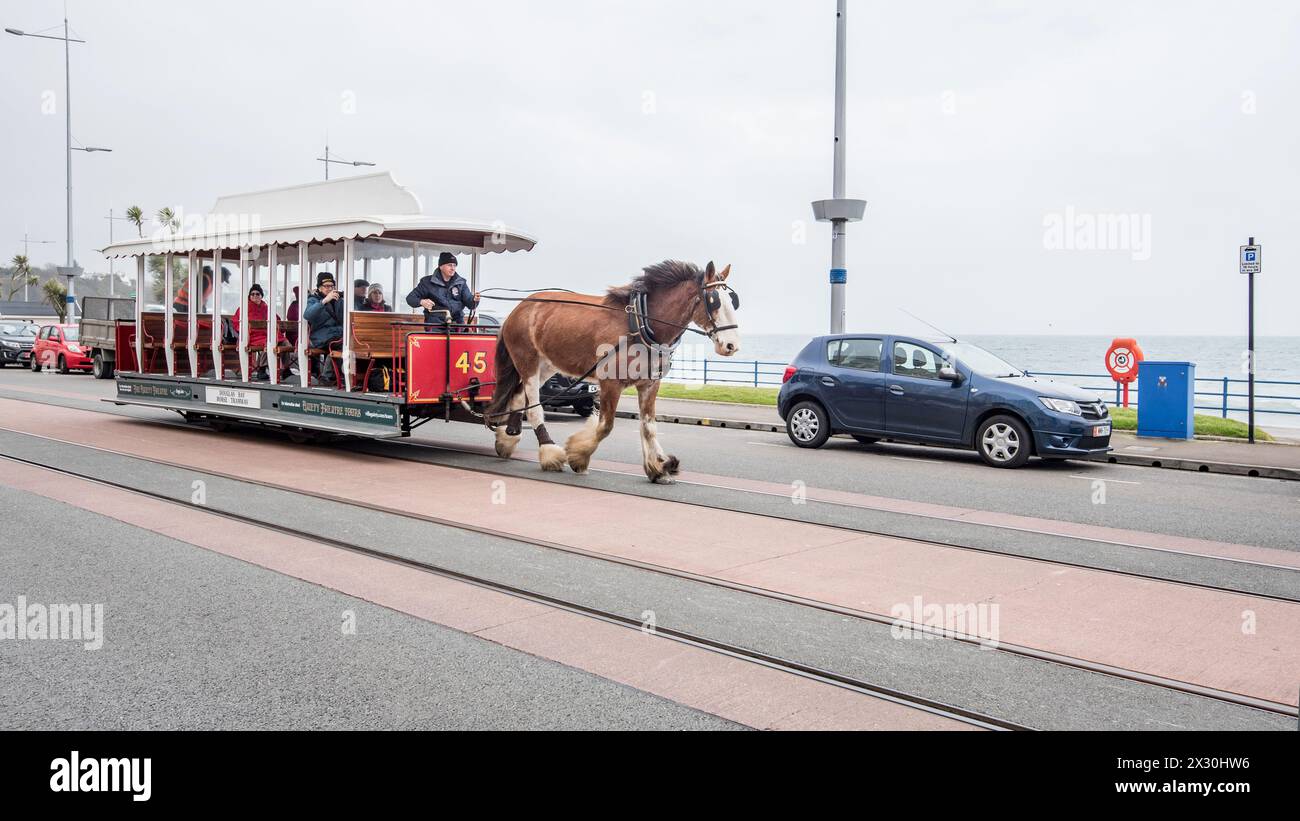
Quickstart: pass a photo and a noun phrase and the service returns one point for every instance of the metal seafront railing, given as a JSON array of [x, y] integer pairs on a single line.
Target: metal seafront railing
[[1221, 395]]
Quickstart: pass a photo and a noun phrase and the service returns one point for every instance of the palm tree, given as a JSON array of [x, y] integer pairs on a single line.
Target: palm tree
[[21, 275], [168, 220], [56, 293], [136, 215]]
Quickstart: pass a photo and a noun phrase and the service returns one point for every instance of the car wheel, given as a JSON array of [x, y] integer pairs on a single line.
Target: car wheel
[[1003, 442], [808, 426], [866, 440], [583, 410], [36, 363], [63, 364]]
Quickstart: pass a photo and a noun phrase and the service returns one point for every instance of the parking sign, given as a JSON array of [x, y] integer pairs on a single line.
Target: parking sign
[[1250, 259]]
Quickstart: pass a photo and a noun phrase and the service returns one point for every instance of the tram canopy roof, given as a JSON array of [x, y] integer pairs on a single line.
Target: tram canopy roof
[[361, 207]]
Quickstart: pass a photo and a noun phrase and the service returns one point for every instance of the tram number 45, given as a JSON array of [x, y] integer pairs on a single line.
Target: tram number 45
[[479, 365]]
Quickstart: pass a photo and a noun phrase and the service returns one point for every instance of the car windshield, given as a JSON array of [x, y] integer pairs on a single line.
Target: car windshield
[[70, 334], [979, 360], [17, 329]]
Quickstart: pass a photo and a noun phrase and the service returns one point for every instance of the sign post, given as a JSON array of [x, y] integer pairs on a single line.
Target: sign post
[[1251, 263], [1122, 361]]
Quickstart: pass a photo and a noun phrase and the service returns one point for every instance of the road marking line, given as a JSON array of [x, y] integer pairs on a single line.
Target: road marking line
[[769, 444], [1104, 479]]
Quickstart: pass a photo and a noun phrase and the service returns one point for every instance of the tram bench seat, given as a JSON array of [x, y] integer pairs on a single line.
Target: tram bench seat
[[153, 337], [372, 340]]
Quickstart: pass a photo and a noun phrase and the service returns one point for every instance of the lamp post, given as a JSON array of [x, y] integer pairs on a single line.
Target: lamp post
[[330, 161], [838, 210], [27, 254], [67, 110]]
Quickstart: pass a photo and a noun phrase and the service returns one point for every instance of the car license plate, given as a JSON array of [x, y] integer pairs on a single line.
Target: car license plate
[[1101, 430]]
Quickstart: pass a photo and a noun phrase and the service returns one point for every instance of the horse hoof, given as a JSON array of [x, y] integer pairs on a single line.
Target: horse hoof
[[505, 448], [672, 466], [551, 457], [578, 465]]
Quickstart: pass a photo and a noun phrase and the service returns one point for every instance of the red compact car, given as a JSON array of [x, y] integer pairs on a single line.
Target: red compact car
[[57, 347]]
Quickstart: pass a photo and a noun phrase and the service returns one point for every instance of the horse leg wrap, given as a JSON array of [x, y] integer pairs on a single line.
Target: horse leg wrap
[[515, 423], [543, 437]]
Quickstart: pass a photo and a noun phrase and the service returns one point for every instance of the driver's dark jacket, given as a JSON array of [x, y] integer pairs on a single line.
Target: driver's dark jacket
[[454, 296]]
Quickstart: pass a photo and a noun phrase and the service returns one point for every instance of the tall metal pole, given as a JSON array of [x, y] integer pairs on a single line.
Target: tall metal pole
[[839, 274], [70, 299], [1250, 355], [839, 210], [327, 160]]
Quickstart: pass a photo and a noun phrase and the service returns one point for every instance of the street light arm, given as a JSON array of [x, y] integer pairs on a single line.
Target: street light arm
[[21, 33]]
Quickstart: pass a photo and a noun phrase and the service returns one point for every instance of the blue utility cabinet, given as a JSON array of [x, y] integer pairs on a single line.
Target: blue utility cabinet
[[1167, 399]]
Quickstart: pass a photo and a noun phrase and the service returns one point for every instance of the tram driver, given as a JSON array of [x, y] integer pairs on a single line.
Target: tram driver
[[444, 295]]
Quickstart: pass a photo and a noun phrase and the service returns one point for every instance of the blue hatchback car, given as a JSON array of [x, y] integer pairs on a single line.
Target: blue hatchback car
[[880, 386]]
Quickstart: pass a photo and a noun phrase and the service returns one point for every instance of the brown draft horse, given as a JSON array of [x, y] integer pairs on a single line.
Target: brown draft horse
[[627, 335]]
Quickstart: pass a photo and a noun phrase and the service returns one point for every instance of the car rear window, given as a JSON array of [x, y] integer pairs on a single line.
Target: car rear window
[[859, 354]]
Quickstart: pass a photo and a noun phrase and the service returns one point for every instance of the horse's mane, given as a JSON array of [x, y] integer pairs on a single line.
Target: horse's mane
[[653, 277]]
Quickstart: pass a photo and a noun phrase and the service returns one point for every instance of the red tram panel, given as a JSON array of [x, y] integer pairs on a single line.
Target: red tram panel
[[440, 364]]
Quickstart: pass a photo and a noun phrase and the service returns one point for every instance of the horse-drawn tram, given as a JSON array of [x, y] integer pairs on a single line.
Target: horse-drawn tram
[[228, 324]]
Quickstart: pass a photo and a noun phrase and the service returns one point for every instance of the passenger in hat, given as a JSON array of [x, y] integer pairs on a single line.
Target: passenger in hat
[[324, 312], [258, 311], [359, 287], [375, 299], [444, 295]]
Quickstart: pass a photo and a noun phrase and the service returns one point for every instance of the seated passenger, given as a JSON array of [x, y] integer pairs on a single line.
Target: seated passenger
[[324, 312], [375, 300], [445, 295], [259, 311], [359, 287]]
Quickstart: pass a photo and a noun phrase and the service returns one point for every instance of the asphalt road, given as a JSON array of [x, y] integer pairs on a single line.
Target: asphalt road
[[196, 640], [1243, 510]]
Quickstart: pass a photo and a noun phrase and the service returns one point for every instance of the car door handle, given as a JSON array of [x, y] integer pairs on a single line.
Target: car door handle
[[896, 390], [829, 380]]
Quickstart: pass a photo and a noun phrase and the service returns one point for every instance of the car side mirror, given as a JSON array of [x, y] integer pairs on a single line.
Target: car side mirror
[[950, 374]]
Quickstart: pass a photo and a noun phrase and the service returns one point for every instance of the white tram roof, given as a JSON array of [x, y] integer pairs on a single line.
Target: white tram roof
[[362, 207]]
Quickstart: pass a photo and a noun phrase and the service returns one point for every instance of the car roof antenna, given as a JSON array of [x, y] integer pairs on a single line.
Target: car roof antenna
[[923, 322]]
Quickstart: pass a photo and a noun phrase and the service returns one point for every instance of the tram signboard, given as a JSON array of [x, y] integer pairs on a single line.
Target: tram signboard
[[232, 397], [155, 390], [334, 409]]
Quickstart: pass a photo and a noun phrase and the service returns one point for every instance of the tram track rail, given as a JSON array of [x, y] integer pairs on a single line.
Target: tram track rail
[[688, 638], [372, 450], [726, 648]]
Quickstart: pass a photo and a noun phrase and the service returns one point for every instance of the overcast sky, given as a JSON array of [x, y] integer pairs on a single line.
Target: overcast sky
[[623, 133]]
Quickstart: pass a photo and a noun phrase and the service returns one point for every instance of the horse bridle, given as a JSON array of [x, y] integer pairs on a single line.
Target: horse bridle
[[713, 303]]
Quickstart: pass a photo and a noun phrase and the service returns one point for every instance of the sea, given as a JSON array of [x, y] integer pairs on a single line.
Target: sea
[[1277, 359]]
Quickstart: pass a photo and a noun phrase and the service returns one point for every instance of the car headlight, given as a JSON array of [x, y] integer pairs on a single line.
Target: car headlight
[[74, 348], [1061, 405], [11, 345]]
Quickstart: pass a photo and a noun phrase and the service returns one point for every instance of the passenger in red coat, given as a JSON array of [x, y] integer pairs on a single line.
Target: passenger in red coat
[[257, 312]]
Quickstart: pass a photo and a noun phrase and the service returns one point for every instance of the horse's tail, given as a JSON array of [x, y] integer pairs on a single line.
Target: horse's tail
[[507, 385]]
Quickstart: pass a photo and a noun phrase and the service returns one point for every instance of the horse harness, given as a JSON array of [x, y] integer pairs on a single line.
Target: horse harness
[[638, 325]]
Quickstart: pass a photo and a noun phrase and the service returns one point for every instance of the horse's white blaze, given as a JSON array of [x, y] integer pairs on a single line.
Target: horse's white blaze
[[726, 315]]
